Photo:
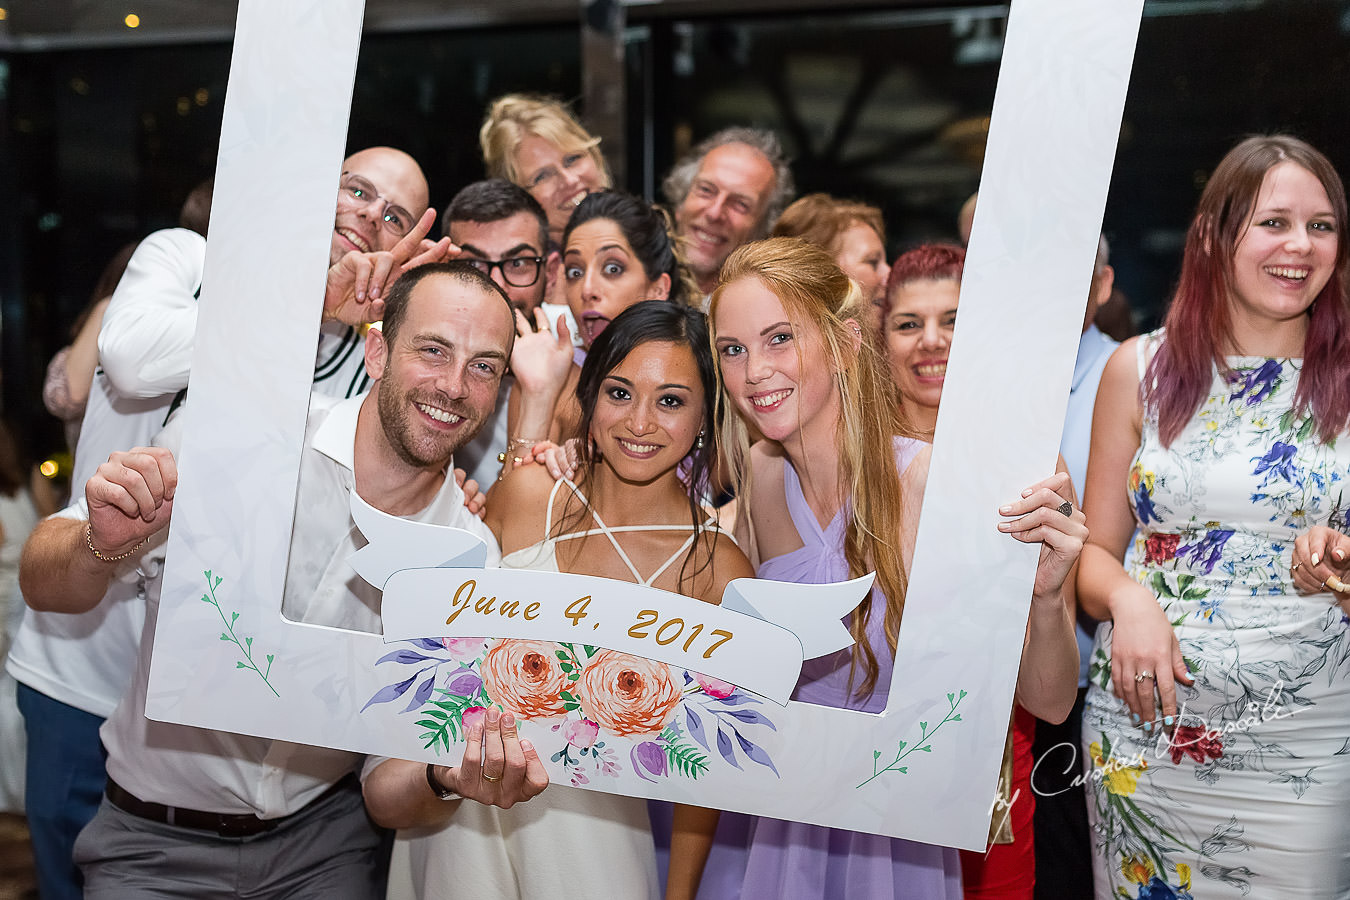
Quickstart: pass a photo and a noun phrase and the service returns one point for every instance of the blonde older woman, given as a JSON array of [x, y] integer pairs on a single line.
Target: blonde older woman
[[537, 143]]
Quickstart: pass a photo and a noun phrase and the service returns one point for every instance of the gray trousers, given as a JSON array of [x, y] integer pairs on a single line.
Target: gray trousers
[[327, 850]]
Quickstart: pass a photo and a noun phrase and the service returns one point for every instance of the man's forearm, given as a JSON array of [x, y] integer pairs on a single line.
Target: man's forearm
[[58, 572]]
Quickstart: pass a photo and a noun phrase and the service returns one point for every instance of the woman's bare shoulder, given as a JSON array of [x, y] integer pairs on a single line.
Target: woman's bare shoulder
[[728, 564], [517, 505]]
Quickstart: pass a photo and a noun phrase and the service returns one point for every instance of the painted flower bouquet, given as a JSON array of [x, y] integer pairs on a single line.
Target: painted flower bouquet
[[601, 705]]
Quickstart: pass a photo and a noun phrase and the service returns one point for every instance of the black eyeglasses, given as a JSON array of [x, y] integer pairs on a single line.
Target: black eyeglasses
[[357, 191], [518, 271]]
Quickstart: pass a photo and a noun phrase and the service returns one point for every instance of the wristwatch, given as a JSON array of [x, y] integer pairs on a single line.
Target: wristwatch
[[440, 791]]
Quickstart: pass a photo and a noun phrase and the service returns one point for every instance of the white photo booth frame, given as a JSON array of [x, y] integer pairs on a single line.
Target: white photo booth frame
[[926, 768]]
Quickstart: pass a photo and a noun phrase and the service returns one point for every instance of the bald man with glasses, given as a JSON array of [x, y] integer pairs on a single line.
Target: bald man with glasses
[[73, 669]]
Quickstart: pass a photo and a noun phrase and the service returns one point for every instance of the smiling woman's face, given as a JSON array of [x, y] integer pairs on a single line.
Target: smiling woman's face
[[775, 371], [558, 180], [918, 331], [649, 412]]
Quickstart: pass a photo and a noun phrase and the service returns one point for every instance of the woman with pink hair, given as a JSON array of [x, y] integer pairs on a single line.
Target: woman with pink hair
[[1220, 681]]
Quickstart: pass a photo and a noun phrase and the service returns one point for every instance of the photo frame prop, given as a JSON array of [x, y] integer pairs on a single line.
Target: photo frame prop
[[925, 769]]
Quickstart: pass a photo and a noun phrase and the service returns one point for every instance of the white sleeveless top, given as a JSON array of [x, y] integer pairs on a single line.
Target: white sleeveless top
[[565, 842]]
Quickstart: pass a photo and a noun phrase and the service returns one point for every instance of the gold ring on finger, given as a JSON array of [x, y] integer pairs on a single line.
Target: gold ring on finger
[[492, 778], [1142, 675]]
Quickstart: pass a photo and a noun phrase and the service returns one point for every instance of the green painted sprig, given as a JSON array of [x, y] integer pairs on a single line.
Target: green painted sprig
[[904, 749], [245, 646]]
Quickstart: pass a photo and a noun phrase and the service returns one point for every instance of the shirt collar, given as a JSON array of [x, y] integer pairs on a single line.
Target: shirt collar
[[336, 435]]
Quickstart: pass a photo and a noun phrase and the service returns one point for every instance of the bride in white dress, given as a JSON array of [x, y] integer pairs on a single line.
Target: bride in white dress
[[633, 513]]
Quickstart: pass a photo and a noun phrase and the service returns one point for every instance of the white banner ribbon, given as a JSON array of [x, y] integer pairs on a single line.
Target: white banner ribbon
[[435, 586]]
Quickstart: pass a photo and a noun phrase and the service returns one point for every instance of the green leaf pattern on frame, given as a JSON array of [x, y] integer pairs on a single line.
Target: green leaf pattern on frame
[[246, 645], [924, 744]]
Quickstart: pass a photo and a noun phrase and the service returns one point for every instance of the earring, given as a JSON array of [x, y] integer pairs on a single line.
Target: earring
[[698, 442]]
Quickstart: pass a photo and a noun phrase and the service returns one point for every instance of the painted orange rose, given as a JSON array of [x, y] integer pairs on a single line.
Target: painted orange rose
[[627, 695], [524, 678]]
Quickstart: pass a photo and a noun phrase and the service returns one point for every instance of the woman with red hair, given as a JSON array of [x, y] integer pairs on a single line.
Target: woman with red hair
[[919, 315], [1218, 706]]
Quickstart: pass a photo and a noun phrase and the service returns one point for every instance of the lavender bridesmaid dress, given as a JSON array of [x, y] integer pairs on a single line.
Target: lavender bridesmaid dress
[[794, 861]]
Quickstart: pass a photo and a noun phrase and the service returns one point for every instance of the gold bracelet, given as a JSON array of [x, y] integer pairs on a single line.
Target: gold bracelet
[[89, 542], [512, 444], [515, 461]]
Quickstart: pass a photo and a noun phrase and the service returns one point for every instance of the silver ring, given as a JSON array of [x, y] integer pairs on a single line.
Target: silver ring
[[1142, 675], [1065, 509]]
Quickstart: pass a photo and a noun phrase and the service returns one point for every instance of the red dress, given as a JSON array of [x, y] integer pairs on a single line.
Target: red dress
[[1008, 871]]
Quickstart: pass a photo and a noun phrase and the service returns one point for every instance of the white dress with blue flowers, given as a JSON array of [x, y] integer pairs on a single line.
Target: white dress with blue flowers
[[1251, 795]]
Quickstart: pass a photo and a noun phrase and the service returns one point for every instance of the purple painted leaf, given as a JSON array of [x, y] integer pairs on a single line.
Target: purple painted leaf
[[426, 644], [695, 725], [648, 757], [749, 717], [423, 692], [724, 747], [406, 657], [738, 697], [390, 692], [756, 753], [464, 683]]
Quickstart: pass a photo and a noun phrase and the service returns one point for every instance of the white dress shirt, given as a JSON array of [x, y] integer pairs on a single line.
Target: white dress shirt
[[145, 349], [215, 771]]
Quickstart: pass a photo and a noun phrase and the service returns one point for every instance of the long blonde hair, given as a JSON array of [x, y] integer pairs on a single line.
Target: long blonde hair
[[813, 289]]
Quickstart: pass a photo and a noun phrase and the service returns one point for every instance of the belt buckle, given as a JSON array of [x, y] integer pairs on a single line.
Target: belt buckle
[[238, 826]]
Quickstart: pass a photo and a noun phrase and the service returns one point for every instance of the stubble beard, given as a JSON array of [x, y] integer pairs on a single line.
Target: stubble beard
[[399, 431]]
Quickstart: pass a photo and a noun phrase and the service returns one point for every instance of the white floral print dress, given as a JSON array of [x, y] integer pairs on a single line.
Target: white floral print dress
[[1249, 796]]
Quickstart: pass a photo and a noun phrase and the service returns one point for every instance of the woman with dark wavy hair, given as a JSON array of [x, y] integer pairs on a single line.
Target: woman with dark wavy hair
[[618, 250], [632, 513], [1227, 430]]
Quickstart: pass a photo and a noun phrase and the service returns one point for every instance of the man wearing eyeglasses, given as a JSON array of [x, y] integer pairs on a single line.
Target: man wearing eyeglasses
[[72, 670], [503, 232], [499, 229]]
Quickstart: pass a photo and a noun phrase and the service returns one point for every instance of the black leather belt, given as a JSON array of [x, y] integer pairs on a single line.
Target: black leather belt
[[232, 825]]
